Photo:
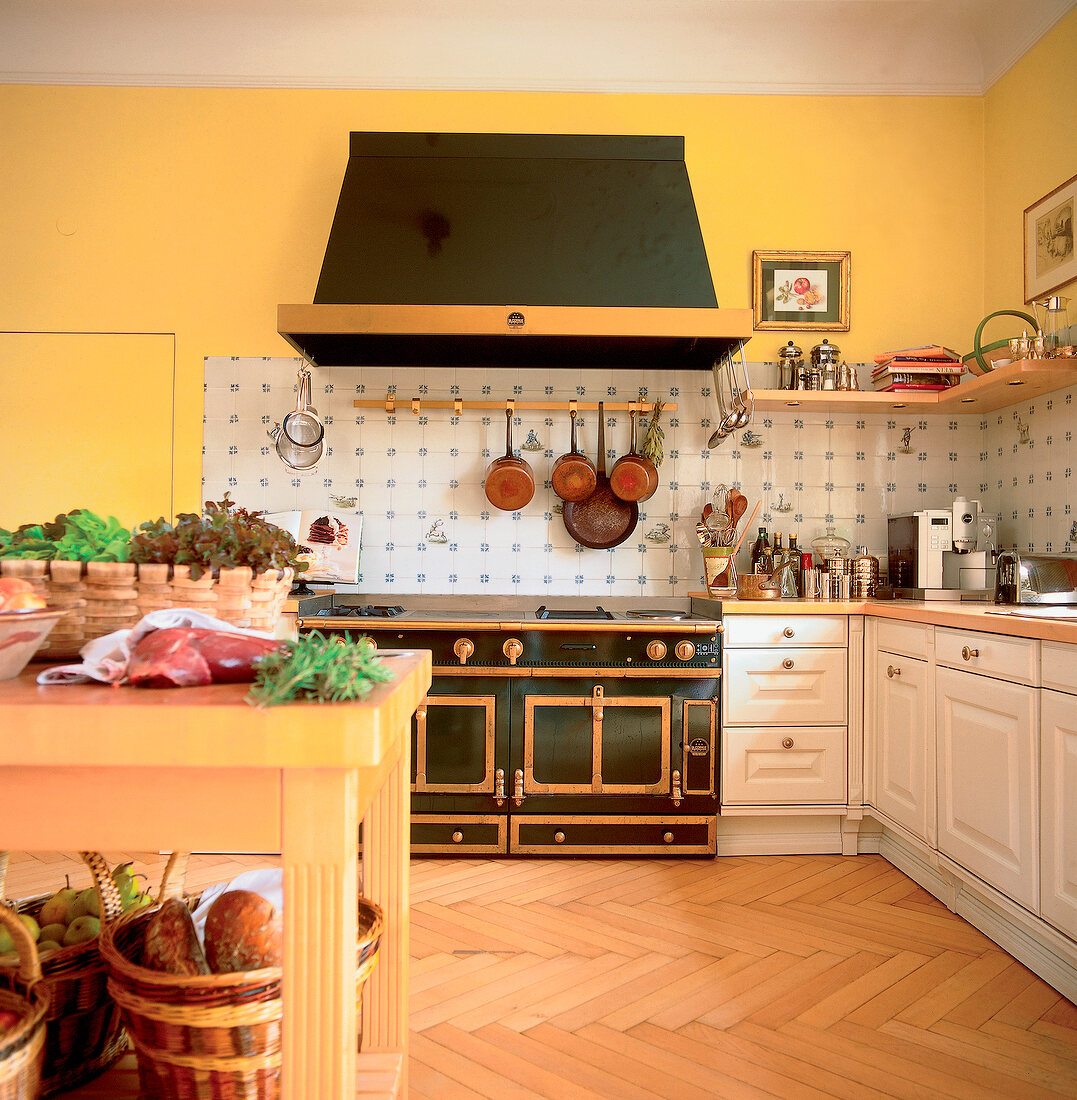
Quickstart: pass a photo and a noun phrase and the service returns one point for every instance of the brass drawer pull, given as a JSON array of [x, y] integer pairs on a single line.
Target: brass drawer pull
[[787, 663], [787, 742], [457, 837], [789, 632], [559, 837], [967, 654], [892, 672], [667, 838]]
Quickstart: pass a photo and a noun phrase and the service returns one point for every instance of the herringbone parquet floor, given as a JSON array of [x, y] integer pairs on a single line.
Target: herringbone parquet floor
[[790, 977]]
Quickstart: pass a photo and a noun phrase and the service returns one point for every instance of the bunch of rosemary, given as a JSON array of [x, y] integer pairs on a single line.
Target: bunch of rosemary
[[319, 669], [652, 443]]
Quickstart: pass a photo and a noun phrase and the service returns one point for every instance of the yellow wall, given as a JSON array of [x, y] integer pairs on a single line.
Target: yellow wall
[[195, 212], [1030, 138]]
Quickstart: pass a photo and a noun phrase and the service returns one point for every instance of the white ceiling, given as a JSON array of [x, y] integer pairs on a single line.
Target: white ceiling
[[927, 47]]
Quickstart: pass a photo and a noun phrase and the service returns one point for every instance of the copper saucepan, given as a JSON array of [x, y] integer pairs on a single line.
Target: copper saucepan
[[510, 484], [573, 476], [633, 477], [602, 520]]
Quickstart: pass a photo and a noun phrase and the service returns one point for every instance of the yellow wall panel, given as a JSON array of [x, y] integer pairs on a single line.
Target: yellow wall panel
[[88, 424]]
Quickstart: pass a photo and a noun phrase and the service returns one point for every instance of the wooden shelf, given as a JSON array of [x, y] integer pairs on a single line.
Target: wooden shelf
[[1009, 385]]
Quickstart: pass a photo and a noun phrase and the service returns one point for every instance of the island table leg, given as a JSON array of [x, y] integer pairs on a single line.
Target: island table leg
[[320, 848]]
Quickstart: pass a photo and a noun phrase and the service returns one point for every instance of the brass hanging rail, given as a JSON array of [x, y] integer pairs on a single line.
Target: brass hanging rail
[[393, 404]]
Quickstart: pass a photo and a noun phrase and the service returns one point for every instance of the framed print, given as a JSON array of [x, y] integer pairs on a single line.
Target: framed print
[[800, 290], [1050, 261]]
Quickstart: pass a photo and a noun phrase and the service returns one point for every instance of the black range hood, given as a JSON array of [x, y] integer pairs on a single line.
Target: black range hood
[[515, 250]]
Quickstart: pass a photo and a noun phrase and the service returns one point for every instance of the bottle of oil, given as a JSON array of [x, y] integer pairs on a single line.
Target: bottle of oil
[[794, 556], [758, 547]]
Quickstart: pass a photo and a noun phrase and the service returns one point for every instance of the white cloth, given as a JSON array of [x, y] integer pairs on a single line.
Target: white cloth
[[106, 658]]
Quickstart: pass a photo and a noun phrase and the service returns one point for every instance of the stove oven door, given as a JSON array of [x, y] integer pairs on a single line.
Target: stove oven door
[[459, 747], [615, 764]]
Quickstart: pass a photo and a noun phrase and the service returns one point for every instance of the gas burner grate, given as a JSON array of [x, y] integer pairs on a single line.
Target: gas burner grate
[[365, 611], [587, 613]]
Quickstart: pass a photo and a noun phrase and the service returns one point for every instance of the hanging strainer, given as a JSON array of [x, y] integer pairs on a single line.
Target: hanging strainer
[[301, 427]]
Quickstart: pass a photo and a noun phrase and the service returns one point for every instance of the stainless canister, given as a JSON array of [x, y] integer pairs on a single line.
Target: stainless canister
[[865, 575], [811, 583], [790, 358]]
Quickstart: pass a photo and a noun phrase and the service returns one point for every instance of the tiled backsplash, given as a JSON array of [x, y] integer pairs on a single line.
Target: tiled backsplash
[[810, 470]]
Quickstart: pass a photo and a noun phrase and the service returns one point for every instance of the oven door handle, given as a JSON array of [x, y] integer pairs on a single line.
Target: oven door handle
[[578, 645]]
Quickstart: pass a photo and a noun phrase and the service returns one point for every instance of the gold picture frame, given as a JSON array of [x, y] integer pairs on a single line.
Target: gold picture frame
[[800, 290], [1050, 259]]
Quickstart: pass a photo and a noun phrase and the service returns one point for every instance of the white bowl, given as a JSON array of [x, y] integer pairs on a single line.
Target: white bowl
[[21, 635]]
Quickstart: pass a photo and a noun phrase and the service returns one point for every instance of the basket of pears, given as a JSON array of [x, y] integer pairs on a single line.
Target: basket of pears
[[83, 1033]]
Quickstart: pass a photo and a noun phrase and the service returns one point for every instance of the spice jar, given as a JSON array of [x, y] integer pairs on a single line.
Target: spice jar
[[790, 358]]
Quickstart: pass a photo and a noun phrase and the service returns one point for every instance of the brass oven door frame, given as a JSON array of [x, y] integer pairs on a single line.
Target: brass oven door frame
[[486, 784], [598, 701], [690, 747]]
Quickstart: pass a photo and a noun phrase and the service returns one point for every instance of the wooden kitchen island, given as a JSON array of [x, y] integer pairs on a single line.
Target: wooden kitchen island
[[198, 769]]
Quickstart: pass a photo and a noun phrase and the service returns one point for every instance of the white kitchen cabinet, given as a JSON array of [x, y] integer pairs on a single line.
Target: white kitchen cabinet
[[987, 739], [904, 743], [784, 685], [783, 765], [785, 711], [1058, 810]]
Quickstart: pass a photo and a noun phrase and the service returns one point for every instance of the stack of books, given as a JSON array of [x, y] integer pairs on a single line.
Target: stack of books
[[931, 367]]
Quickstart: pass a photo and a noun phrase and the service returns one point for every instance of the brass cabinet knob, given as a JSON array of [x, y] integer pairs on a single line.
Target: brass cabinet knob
[[463, 648], [787, 742], [892, 672], [457, 837], [685, 650], [656, 649], [788, 631], [512, 649], [667, 838], [559, 837], [967, 654], [787, 663]]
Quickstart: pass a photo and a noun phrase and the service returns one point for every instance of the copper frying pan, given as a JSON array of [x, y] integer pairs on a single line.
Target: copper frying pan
[[601, 520]]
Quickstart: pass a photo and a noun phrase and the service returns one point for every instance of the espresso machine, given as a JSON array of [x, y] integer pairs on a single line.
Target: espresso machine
[[943, 553]]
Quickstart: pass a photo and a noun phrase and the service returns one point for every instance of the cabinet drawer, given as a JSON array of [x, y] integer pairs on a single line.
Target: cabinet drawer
[[759, 630], [784, 686], [792, 765], [1016, 659], [1060, 666], [910, 639]]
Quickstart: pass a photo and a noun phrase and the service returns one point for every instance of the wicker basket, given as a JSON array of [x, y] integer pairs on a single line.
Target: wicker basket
[[101, 596], [215, 1035], [83, 1033], [22, 1048]]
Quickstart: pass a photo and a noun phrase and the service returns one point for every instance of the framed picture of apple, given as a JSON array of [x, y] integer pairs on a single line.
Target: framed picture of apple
[[800, 290]]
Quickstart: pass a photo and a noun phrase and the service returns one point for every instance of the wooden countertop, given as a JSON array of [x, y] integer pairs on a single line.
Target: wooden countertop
[[211, 727], [960, 616]]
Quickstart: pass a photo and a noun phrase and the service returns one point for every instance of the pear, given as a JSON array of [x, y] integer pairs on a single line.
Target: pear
[[7, 944], [52, 932], [139, 901], [86, 904], [126, 883], [45, 946], [82, 929], [57, 910]]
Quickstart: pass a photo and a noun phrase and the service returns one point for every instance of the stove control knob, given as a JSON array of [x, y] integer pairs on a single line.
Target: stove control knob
[[512, 649], [685, 650], [368, 643], [463, 648], [656, 650]]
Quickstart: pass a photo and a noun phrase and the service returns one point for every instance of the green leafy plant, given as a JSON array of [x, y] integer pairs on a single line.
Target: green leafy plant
[[225, 537], [321, 669], [79, 535]]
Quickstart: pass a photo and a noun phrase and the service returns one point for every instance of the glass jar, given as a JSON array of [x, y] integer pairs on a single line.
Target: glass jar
[[830, 545]]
